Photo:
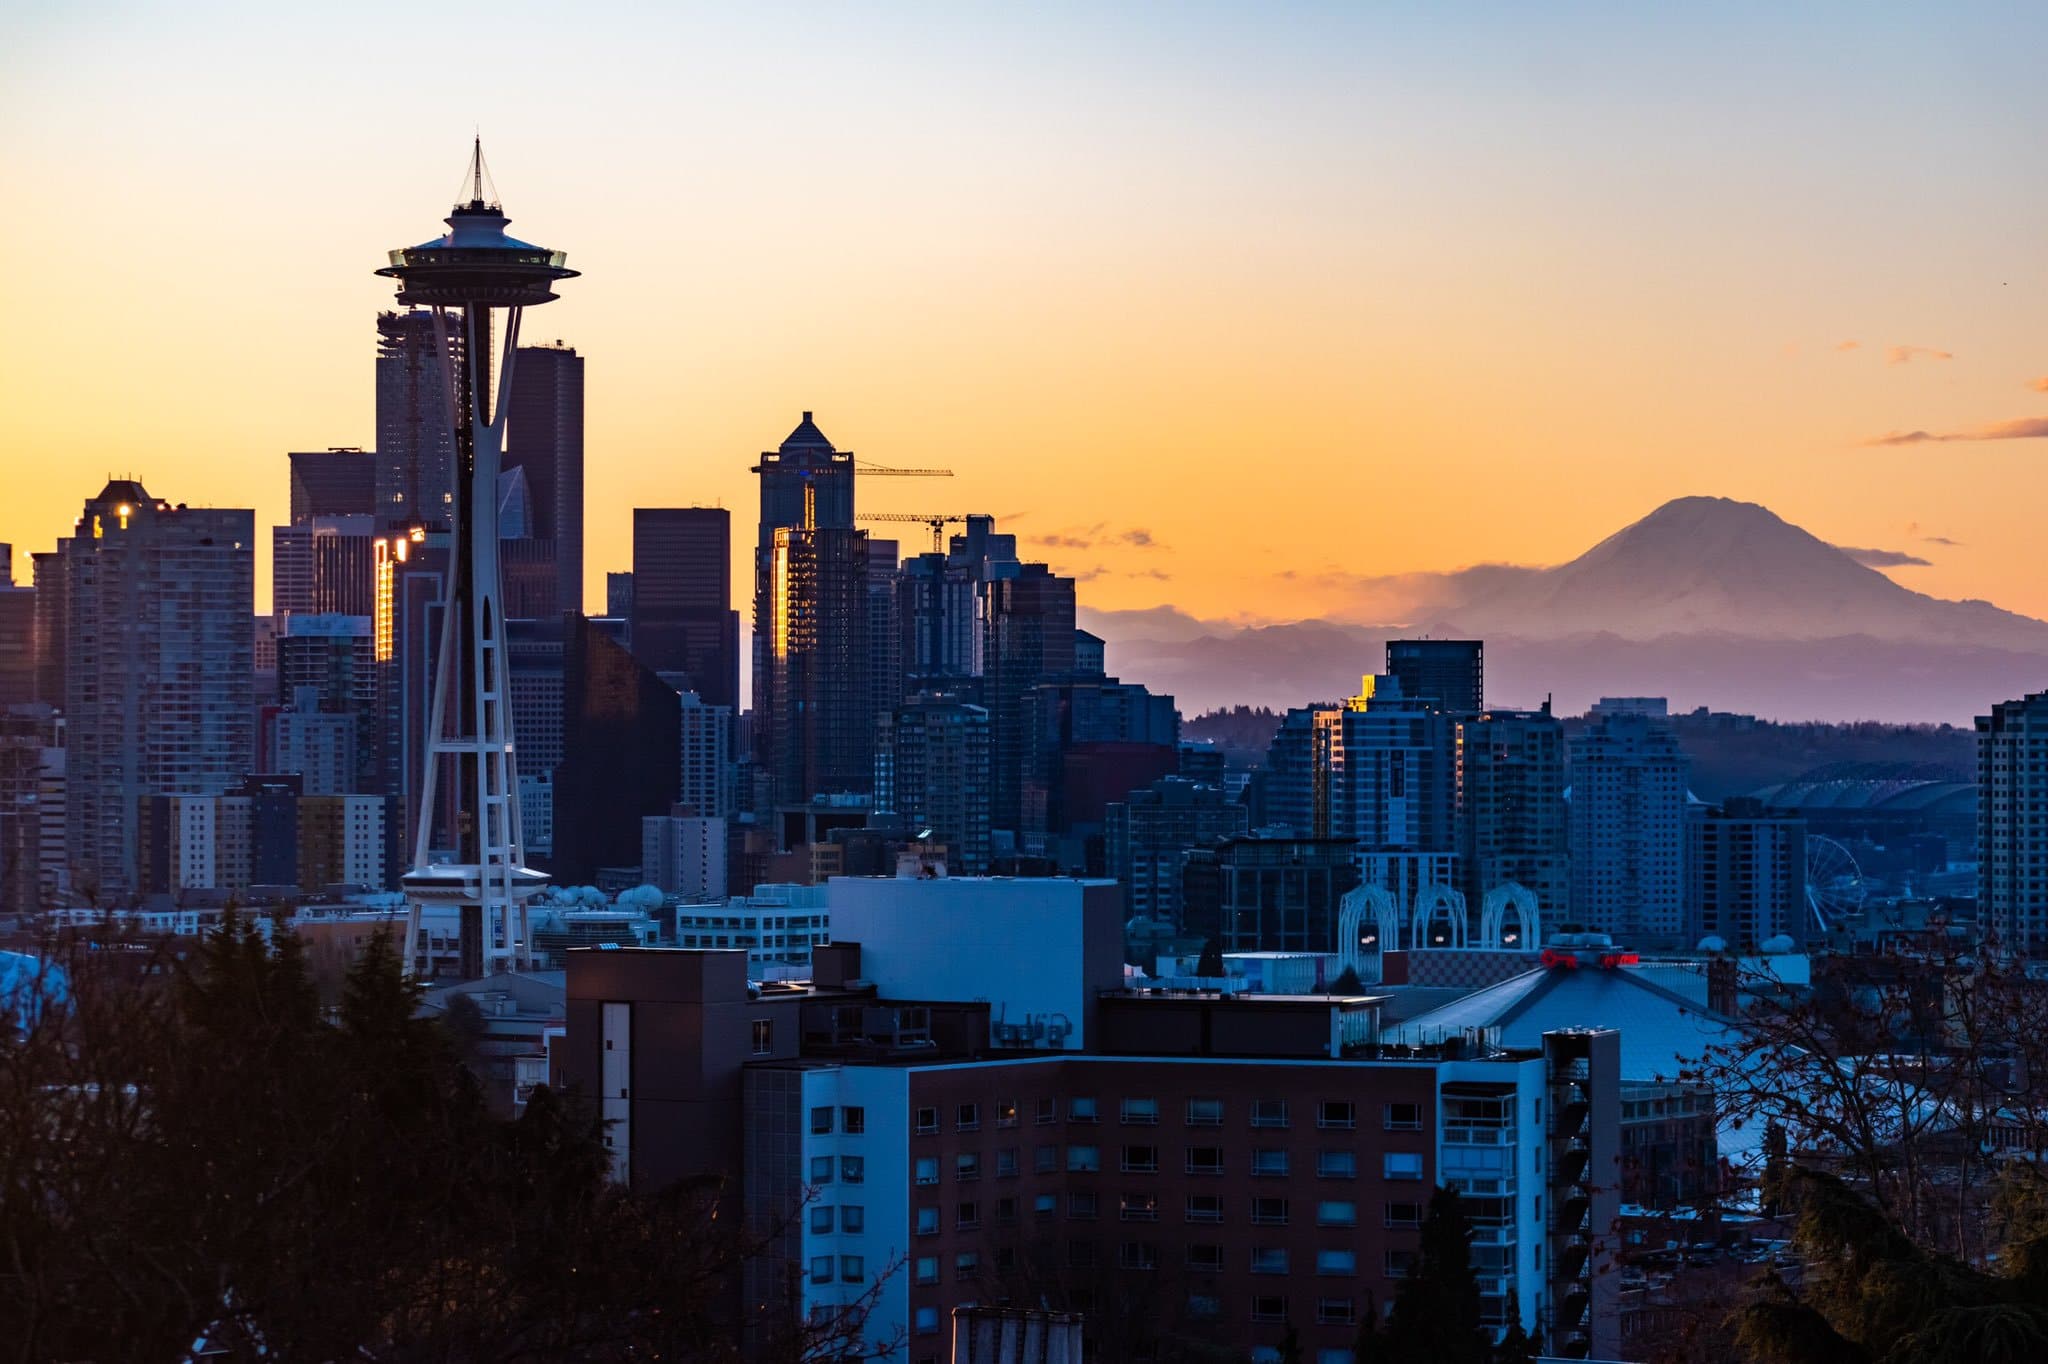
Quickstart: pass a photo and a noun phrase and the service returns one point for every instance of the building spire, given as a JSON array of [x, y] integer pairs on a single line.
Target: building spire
[[477, 190]]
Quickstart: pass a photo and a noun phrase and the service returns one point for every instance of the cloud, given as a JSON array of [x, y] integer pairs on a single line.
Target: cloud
[[1139, 539], [1941, 540], [1905, 355], [1847, 345], [1884, 558], [2039, 385], [1097, 536], [2019, 428]]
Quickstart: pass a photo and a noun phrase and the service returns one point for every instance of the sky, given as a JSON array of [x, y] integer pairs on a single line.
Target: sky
[[1215, 306]]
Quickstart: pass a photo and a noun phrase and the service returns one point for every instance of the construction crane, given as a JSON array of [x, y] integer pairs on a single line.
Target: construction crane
[[938, 524], [861, 466]]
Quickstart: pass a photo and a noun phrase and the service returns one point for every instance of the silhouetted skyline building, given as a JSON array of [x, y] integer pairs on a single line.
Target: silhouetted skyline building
[[544, 441], [17, 635], [339, 481], [621, 753], [2012, 822], [1628, 810], [1450, 672], [1028, 637], [680, 600], [939, 773], [159, 691], [324, 565], [1513, 823], [1746, 875], [1148, 835], [415, 446], [814, 725]]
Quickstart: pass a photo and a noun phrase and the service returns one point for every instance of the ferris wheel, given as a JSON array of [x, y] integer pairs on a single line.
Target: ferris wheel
[[1834, 883]]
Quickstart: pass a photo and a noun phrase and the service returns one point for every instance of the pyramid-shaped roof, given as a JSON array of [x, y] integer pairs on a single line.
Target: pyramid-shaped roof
[[807, 436]]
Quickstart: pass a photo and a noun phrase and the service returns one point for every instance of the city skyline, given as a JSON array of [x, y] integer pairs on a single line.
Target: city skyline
[[1142, 258]]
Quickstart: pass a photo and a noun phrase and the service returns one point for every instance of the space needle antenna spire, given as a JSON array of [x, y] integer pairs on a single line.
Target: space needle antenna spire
[[473, 860]]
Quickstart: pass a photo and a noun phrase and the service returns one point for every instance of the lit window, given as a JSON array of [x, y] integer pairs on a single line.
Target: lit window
[[1402, 1165]]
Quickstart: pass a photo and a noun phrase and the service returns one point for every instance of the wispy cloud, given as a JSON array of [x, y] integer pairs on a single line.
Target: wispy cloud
[[1098, 536], [1905, 355], [1884, 558], [1847, 345], [2019, 428], [2039, 385], [1941, 540]]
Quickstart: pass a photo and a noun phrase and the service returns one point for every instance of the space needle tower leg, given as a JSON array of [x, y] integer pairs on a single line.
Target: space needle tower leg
[[475, 268]]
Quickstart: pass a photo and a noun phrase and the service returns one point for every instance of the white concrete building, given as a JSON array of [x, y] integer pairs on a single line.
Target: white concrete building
[[777, 926]]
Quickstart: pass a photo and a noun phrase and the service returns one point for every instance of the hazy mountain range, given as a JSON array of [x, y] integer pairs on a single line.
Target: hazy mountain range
[[1705, 600]]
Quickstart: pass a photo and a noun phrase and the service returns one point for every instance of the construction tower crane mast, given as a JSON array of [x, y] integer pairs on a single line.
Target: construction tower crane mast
[[861, 466], [938, 523]]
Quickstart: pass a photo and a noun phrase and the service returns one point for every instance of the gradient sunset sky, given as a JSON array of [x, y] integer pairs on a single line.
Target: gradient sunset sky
[[1192, 297]]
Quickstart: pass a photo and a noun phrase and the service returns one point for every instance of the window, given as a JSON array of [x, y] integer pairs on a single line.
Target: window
[[851, 1269], [853, 1120], [1006, 1212], [1205, 1207], [1006, 1112], [967, 1215], [852, 1169], [927, 1170], [1336, 1354], [1206, 1258], [967, 1118], [927, 1269], [1271, 1212], [1082, 1110], [1006, 1163], [764, 1036], [1403, 1117], [1080, 1255], [1006, 1260], [1139, 1112], [1399, 1264], [1269, 1113], [1045, 1159], [1336, 1113], [821, 1221], [1269, 1161], [967, 1265], [925, 1321], [927, 1221], [1083, 1159], [1081, 1207], [1336, 1212], [821, 1121], [927, 1120], [1340, 1311], [1138, 1207], [821, 1169], [1205, 1112], [1205, 1160], [1137, 1255], [1142, 1160], [1203, 1307], [967, 1166], [1048, 1111], [1402, 1165], [1336, 1165], [1338, 1262], [1404, 1215], [821, 1269], [1044, 1206], [1269, 1307], [853, 1219]]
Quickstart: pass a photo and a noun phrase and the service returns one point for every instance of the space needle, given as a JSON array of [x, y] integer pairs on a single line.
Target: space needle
[[463, 276]]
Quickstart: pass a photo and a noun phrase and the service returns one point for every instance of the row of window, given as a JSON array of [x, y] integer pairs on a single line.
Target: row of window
[[1265, 1307], [853, 1120], [1330, 1113], [1084, 1206], [1268, 1162]]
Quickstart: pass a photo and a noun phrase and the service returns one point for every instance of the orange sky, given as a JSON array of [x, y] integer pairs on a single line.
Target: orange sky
[[1305, 291]]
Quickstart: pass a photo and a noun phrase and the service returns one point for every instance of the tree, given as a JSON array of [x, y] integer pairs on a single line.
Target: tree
[[1516, 1346], [1435, 1314], [1347, 982], [1210, 965], [1290, 1345]]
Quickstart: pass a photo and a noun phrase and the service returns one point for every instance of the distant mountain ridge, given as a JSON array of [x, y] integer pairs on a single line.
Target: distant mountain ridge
[[1708, 600]]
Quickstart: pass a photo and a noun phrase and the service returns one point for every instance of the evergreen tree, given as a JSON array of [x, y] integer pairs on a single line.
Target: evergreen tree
[[1516, 1346], [1347, 982], [1210, 964], [1435, 1315]]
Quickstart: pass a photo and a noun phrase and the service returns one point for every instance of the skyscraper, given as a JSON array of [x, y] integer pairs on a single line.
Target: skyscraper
[[1628, 782], [1398, 790], [1450, 672], [2012, 822], [1029, 636], [1746, 871], [814, 729], [324, 565], [938, 768], [158, 689], [805, 483], [681, 599], [17, 635], [1148, 835], [935, 614], [621, 753], [545, 440], [50, 624], [415, 449], [885, 634], [1513, 824], [341, 481]]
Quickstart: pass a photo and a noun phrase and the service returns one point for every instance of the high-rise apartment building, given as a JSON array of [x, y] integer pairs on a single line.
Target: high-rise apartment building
[[1398, 786], [2012, 822], [545, 442], [618, 595], [1628, 802], [415, 445], [814, 729], [706, 768], [1268, 894], [50, 623], [1147, 837], [683, 854], [680, 601], [158, 690], [324, 565], [1513, 824], [317, 746], [1028, 636], [341, 481], [1746, 874], [17, 635], [1450, 672], [885, 634], [939, 776], [621, 744], [935, 612], [1300, 787]]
